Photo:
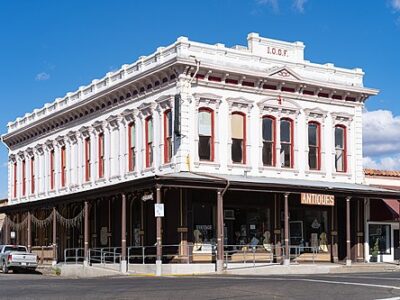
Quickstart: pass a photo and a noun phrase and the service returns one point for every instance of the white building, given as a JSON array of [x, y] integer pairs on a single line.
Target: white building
[[260, 117]]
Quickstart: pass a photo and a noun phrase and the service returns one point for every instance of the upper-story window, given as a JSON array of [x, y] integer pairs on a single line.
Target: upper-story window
[[131, 146], [87, 160], [340, 149], [238, 126], [33, 175], [101, 155], [52, 170], [314, 146], [15, 180], [268, 136], [23, 178], [286, 127], [63, 167], [206, 134], [149, 141], [167, 136]]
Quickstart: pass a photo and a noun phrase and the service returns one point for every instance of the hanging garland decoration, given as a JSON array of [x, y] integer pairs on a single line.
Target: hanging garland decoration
[[42, 223], [69, 223], [18, 226]]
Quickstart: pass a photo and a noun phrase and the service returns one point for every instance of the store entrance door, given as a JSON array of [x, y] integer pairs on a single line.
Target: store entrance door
[[396, 244]]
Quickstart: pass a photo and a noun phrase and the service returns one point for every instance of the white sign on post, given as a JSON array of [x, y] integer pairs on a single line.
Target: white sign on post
[[159, 210], [12, 234]]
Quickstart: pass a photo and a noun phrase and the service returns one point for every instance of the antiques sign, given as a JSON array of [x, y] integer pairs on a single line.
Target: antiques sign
[[317, 199]]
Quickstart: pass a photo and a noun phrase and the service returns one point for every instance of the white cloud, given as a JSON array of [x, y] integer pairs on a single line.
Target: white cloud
[[395, 4], [273, 3], [381, 140], [299, 5], [384, 163], [381, 133], [42, 76]]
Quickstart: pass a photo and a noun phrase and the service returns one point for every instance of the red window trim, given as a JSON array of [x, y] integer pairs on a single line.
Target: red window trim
[[318, 146], [244, 157], [87, 159], [52, 171], [291, 140], [212, 130], [273, 137], [131, 163], [344, 148], [32, 175], [167, 159], [15, 180], [63, 166], [101, 154], [148, 163], [23, 177]]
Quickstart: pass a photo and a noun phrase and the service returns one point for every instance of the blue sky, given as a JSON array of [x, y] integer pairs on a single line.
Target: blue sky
[[49, 48]]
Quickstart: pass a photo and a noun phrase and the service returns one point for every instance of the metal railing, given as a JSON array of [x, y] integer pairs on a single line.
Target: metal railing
[[296, 251], [104, 255], [252, 254], [193, 253], [170, 253], [74, 255]]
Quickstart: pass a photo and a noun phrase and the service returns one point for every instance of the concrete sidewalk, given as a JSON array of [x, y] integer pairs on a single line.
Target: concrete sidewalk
[[318, 268]]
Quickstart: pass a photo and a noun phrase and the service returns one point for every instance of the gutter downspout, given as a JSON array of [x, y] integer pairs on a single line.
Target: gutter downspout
[[197, 69]]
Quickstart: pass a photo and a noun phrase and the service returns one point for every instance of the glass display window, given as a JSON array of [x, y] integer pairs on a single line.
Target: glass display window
[[379, 238]]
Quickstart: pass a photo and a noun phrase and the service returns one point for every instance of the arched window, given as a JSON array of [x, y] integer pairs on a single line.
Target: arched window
[[268, 136], [167, 136], [286, 126], [88, 162], [314, 146], [52, 170], [131, 146], [63, 167], [149, 141], [33, 175], [101, 155], [206, 134], [340, 149], [238, 126], [15, 180], [23, 178]]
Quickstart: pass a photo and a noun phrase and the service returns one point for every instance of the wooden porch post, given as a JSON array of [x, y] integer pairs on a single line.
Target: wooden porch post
[[54, 236], [348, 233], [6, 230], [220, 232], [286, 261], [86, 233], [158, 235], [29, 232], [123, 234]]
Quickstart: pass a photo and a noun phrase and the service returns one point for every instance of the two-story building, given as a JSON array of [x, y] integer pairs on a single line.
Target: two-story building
[[243, 145]]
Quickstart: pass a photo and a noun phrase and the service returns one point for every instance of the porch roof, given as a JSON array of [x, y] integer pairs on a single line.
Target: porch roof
[[238, 182]]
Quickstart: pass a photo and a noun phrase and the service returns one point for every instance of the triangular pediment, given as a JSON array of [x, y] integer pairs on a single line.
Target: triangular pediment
[[283, 73]]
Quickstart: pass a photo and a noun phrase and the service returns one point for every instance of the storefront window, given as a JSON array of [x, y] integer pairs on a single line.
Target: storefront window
[[309, 228], [379, 238]]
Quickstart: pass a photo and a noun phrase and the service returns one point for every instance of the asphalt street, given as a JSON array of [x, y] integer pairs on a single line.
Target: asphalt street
[[338, 286]]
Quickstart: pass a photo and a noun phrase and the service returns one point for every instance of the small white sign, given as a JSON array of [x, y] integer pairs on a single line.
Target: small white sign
[[159, 210], [12, 234]]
